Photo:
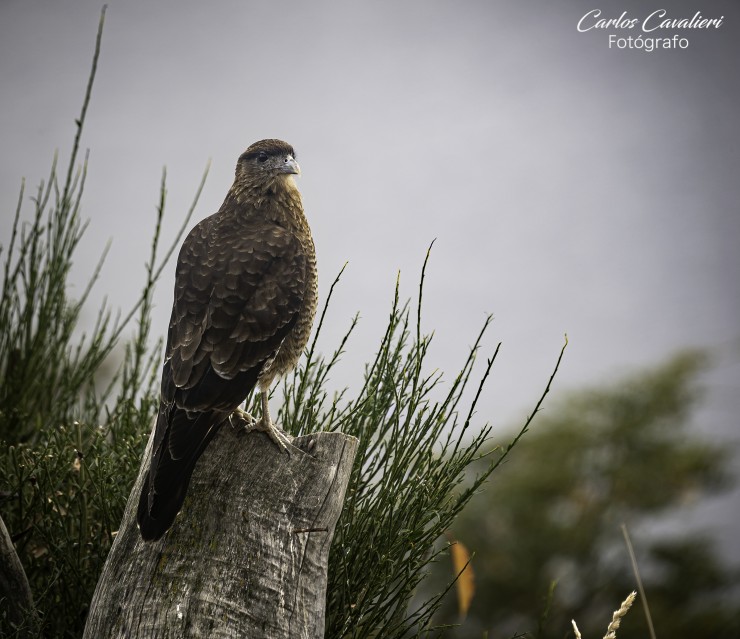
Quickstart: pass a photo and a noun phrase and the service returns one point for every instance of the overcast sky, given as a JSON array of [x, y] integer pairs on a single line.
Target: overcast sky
[[571, 187]]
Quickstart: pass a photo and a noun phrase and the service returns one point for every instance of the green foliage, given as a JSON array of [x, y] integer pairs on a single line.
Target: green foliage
[[65, 498], [68, 452], [45, 373], [405, 489], [623, 453]]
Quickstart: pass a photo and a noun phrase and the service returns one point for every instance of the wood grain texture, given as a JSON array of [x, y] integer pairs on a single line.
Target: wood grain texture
[[246, 557]]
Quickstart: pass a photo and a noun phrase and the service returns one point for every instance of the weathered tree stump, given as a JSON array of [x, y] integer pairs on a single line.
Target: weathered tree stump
[[246, 557], [16, 603]]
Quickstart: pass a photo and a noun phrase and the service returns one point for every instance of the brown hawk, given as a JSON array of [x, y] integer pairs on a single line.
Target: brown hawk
[[245, 300]]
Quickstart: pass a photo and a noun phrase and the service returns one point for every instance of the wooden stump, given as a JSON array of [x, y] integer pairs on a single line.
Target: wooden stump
[[247, 555], [17, 612]]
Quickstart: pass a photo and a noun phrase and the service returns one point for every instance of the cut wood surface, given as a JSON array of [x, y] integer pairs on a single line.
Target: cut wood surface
[[247, 555]]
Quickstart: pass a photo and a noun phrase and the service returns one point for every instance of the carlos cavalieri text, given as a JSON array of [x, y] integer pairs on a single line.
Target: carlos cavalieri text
[[660, 27]]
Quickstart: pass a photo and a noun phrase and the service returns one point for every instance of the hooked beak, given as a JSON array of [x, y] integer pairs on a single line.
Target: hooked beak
[[290, 166]]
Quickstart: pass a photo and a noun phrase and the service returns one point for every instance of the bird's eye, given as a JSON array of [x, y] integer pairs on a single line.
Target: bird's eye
[[262, 157]]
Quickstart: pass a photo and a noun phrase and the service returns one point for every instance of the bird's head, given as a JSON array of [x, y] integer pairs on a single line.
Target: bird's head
[[267, 162]]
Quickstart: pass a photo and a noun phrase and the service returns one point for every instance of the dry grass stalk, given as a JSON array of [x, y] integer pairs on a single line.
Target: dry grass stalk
[[611, 631]]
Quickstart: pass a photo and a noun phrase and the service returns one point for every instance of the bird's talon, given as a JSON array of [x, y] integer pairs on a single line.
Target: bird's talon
[[279, 437], [241, 418]]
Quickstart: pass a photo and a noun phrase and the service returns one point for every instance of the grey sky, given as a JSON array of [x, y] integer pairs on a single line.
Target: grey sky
[[571, 187]]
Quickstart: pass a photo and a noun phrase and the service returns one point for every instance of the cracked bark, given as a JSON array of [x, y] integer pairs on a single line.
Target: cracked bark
[[246, 557]]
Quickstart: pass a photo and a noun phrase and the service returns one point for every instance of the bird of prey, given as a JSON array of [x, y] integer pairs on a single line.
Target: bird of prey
[[245, 300]]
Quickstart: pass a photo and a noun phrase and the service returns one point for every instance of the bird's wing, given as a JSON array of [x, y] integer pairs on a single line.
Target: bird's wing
[[238, 291]]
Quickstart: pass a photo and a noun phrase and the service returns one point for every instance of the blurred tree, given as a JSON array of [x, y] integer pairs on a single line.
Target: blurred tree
[[606, 456]]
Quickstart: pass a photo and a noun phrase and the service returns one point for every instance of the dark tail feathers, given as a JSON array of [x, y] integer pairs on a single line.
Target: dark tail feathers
[[166, 484]]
